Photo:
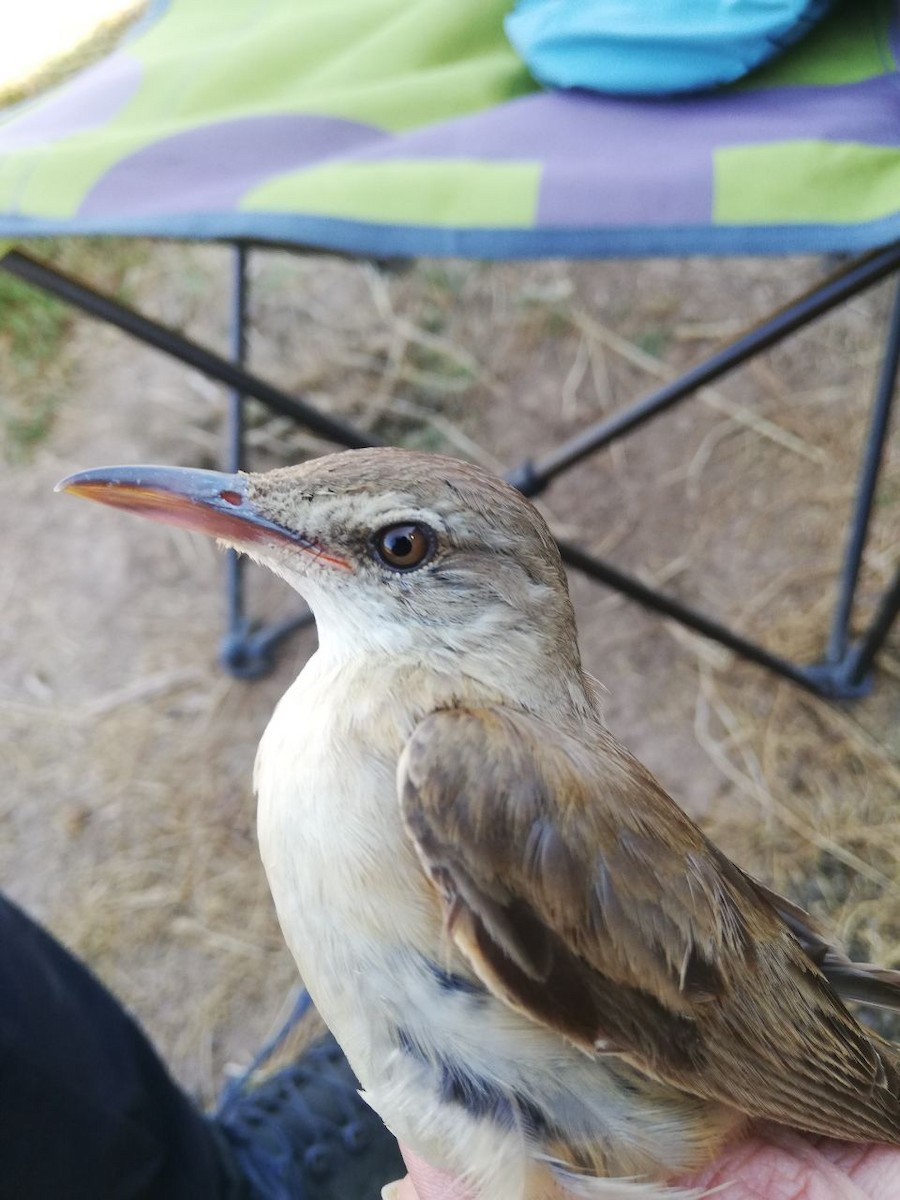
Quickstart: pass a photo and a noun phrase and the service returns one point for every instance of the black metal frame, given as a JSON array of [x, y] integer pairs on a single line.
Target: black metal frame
[[845, 670]]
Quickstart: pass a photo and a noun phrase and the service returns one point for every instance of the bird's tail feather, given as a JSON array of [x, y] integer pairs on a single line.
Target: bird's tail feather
[[852, 981], [863, 982]]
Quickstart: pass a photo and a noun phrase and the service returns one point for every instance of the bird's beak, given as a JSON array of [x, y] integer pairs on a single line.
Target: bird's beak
[[209, 502]]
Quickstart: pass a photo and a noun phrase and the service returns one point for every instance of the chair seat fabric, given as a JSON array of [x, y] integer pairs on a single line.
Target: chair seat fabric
[[411, 127]]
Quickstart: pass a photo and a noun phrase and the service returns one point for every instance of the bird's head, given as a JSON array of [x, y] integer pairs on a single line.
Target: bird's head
[[395, 551]]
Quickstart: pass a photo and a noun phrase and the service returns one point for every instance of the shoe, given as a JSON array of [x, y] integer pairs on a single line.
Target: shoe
[[305, 1133]]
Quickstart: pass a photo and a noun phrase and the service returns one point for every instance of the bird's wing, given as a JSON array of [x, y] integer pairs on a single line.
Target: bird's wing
[[585, 898]]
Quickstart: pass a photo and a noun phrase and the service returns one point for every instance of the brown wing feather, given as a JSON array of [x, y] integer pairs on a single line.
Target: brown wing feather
[[584, 897]]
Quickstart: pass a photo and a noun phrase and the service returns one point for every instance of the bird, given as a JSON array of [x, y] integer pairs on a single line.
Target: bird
[[547, 979]]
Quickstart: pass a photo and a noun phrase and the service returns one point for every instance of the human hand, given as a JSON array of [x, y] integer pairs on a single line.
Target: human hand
[[773, 1164]]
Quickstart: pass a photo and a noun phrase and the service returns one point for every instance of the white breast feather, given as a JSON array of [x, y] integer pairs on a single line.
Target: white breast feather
[[362, 923]]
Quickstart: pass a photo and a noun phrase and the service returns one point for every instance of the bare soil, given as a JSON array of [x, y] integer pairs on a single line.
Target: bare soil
[[127, 823]]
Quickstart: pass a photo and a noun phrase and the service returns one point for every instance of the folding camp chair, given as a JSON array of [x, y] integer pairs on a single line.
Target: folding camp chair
[[408, 127]]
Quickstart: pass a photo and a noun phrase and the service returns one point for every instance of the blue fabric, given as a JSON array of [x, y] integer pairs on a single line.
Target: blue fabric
[[654, 46], [416, 241]]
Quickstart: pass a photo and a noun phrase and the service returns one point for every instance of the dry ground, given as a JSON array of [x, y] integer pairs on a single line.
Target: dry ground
[[126, 822]]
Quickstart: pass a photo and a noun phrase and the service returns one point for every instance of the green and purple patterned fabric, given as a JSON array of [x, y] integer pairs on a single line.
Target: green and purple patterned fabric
[[410, 127]]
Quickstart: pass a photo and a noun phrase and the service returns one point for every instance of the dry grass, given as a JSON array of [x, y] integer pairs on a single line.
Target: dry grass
[[129, 824]]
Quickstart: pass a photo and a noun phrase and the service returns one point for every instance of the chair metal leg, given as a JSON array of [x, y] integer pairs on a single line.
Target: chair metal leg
[[656, 601], [531, 477], [233, 649], [844, 672], [860, 657], [246, 651], [873, 452]]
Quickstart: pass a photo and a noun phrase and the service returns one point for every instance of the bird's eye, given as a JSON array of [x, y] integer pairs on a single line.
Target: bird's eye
[[404, 547]]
